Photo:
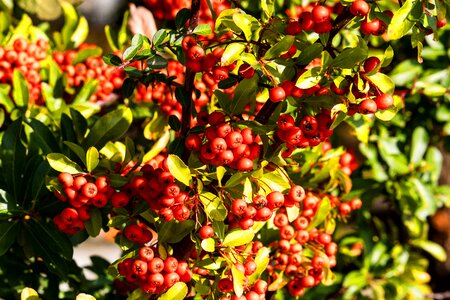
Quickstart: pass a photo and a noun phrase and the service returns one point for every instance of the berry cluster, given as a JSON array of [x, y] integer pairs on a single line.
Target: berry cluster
[[24, 56], [109, 78], [308, 131], [153, 274], [223, 145], [157, 187]]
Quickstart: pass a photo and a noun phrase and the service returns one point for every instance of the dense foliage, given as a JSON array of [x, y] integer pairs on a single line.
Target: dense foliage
[[246, 150]]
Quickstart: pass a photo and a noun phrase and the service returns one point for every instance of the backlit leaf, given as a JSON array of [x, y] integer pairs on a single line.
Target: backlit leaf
[[179, 169]]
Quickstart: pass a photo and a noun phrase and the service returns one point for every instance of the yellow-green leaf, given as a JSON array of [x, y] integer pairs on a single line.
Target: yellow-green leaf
[[177, 292], [179, 169]]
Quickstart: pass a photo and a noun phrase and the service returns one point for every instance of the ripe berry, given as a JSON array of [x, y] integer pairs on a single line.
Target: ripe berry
[[320, 14], [359, 8], [244, 164], [195, 53], [102, 183], [296, 193], [120, 199], [384, 101], [238, 207], [170, 264], [156, 265], [89, 190], [275, 200], [205, 232], [277, 94], [188, 42], [367, 106], [170, 279], [285, 121], [133, 232], [146, 253], [246, 71], [69, 215], [78, 182], [65, 179], [156, 279], [371, 63]]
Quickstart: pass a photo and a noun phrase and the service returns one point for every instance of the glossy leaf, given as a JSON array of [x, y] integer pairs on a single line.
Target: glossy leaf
[[202, 29], [432, 248], [78, 150], [244, 94], [309, 53], [109, 127], [12, 154], [86, 91], [208, 245], [238, 281], [404, 19], [174, 231], [136, 44], [62, 163], [232, 53], [262, 260], [182, 17], [238, 237], [94, 224], [383, 82], [42, 135], [8, 234], [309, 78], [246, 23], [279, 48], [177, 292], [92, 159], [159, 37], [112, 59], [81, 32], [349, 57], [213, 205], [179, 169]]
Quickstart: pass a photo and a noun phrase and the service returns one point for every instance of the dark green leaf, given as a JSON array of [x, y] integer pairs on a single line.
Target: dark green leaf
[[112, 59], [174, 123], [349, 57], [182, 96], [94, 224], [78, 150], [79, 122], [224, 100], [176, 147], [38, 180], [279, 48], [182, 17], [227, 83], [8, 234], [43, 136], [174, 231], [109, 128], [244, 94], [309, 53], [12, 157], [159, 37], [157, 62], [136, 44], [321, 214], [128, 87]]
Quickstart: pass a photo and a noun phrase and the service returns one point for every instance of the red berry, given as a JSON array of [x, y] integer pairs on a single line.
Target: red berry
[[359, 8], [246, 71], [384, 101], [195, 53], [244, 164], [277, 94], [275, 200], [205, 232], [89, 190], [65, 179], [146, 253], [367, 106], [188, 42], [371, 63], [69, 215], [120, 199], [320, 14], [78, 182]]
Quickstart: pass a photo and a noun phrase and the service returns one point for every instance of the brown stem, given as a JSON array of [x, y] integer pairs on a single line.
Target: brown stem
[[189, 79], [340, 22], [266, 111]]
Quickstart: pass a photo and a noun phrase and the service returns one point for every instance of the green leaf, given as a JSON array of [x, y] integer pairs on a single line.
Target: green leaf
[[262, 260], [83, 296], [427, 204], [383, 82], [84, 54], [54, 240], [128, 87], [112, 59], [432, 248], [213, 205], [177, 292], [12, 154], [78, 150], [338, 114], [182, 96], [246, 23], [43, 136], [136, 44], [179, 169], [81, 32], [157, 62], [29, 294], [309, 78], [349, 57], [279, 48], [309, 53], [86, 91], [419, 144], [238, 281], [267, 7], [236, 178], [232, 53], [321, 213], [182, 17], [244, 94], [202, 29], [92, 159], [158, 146], [209, 244], [8, 234], [174, 231], [109, 127], [62, 163], [238, 237], [220, 172], [20, 89], [159, 37], [94, 224], [404, 19], [38, 182]]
